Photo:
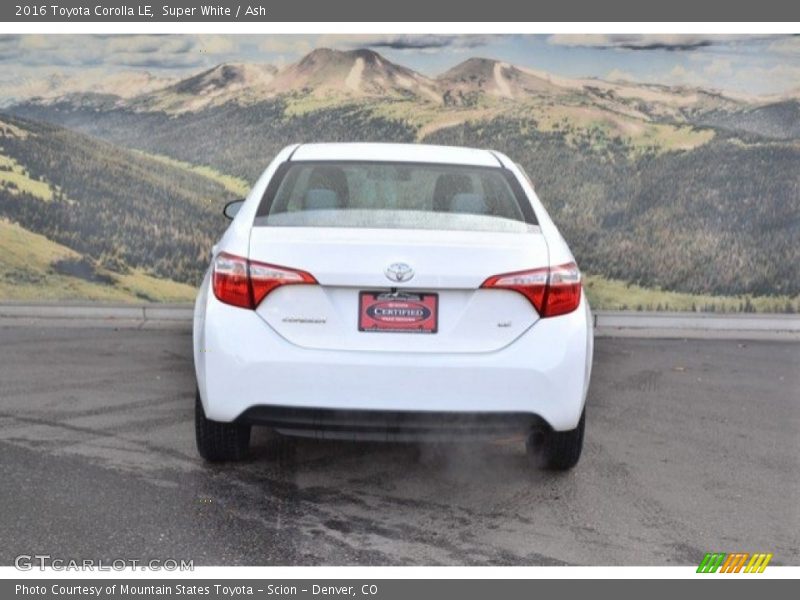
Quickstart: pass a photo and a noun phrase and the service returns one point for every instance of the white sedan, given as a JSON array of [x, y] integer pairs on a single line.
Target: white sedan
[[392, 292]]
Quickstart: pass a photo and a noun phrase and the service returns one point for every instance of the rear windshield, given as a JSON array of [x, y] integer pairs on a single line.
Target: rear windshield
[[395, 196]]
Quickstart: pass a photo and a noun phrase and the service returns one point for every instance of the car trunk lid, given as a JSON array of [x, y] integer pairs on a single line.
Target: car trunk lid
[[348, 261]]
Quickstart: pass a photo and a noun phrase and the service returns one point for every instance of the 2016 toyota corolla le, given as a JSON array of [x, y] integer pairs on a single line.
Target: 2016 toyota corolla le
[[392, 292]]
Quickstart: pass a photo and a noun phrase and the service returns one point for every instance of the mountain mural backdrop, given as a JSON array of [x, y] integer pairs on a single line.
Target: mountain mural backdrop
[[671, 197]]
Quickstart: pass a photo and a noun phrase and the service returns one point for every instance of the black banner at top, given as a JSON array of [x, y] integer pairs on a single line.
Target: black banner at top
[[408, 10]]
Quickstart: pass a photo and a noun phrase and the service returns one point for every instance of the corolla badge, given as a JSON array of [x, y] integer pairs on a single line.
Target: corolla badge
[[399, 272]]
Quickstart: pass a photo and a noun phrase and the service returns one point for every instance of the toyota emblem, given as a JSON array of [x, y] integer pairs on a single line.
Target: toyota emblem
[[399, 272]]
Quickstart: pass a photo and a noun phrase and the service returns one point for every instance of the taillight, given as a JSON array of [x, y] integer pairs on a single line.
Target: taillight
[[245, 283], [264, 278], [563, 290], [553, 291], [231, 283]]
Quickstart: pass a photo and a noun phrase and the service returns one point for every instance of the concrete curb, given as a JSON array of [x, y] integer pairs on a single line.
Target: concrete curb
[[703, 321], [697, 325], [97, 311], [607, 323], [87, 314]]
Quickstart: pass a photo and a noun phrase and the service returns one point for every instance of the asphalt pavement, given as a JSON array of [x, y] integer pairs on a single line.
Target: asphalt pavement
[[692, 446]]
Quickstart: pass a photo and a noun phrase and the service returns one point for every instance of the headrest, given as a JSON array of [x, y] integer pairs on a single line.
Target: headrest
[[320, 199], [330, 178], [447, 186], [469, 203]]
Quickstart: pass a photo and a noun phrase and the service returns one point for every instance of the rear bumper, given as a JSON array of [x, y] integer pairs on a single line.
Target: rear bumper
[[247, 372], [390, 426]]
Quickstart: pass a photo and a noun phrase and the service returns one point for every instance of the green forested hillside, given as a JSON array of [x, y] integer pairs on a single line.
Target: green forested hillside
[[719, 217], [723, 218], [237, 140], [35, 268], [121, 211], [779, 120]]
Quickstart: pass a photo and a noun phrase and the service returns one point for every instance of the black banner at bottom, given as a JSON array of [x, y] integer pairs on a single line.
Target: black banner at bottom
[[383, 589]]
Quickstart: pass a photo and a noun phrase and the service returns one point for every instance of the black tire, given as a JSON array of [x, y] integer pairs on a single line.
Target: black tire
[[219, 441], [557, 450]]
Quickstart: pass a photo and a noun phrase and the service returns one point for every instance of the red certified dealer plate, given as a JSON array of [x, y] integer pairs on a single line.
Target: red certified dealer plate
[[401, 313]]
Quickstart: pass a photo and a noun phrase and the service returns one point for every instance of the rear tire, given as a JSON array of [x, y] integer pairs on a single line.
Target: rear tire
[[217, 441], [557, 450]]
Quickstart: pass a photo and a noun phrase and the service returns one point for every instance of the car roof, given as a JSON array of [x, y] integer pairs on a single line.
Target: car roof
[[414, 153]]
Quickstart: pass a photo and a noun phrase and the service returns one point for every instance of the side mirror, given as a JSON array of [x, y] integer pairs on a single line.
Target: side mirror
[[231, 208]]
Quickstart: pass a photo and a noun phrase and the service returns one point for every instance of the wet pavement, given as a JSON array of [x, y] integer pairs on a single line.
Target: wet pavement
[[691, 446]]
